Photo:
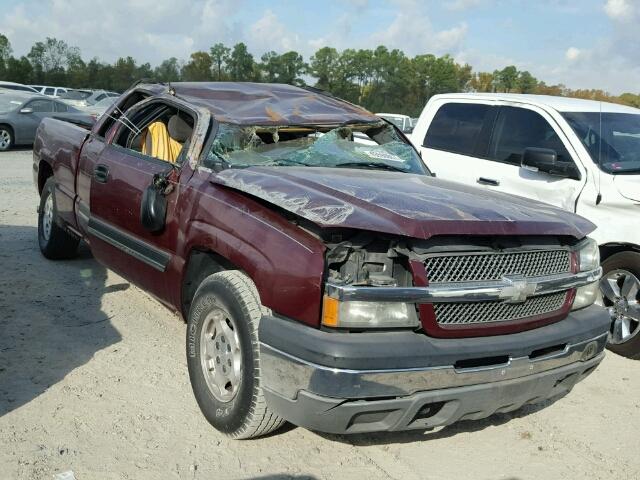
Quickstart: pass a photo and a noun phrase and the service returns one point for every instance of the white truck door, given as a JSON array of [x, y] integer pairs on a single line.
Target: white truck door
[[452, 137], [518, 128]]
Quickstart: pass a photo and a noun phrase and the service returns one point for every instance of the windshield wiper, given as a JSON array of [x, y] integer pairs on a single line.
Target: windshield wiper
[[370, 165]]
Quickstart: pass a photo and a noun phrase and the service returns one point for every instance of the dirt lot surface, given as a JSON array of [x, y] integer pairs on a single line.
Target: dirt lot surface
[[93, 379]]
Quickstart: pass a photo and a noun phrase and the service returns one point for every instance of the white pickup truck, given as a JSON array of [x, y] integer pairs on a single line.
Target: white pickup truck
[[581, 155]]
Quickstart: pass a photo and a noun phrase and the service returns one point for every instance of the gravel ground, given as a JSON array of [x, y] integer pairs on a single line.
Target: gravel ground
[[93, 379]]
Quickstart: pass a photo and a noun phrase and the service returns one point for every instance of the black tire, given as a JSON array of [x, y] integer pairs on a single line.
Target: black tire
[[59, 244], [629, 261], [246, 415], [7, 139]]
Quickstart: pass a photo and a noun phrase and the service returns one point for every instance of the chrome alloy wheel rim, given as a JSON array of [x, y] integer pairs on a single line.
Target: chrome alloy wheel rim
[[5, 140], [47, 217], [620, 290], [220, 355]]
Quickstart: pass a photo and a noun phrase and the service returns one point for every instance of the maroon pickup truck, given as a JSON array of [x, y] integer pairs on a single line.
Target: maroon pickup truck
[[326, 277]]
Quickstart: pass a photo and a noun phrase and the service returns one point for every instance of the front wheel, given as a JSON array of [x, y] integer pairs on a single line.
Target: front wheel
[[6, 138], [620, 286], [55, 242], [223, 356]]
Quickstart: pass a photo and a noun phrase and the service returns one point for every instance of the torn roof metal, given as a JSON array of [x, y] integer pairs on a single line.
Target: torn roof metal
[[269, 104]]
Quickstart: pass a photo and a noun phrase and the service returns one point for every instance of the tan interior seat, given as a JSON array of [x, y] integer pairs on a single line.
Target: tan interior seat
[[165, 141]]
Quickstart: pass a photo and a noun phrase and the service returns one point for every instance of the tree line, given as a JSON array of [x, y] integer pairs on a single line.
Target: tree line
[[380, 79]]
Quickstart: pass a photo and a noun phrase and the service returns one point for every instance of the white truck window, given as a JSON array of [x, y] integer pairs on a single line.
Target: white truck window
[[456, 127], [519, 128]]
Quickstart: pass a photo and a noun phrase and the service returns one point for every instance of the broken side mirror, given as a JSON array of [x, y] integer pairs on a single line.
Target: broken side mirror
[[153, 208]]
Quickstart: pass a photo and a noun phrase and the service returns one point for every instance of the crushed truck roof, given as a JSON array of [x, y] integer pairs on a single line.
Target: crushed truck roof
[[246, 103]]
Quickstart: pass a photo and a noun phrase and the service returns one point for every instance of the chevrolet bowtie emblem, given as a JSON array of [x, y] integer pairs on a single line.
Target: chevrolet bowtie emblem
[[518, 289]]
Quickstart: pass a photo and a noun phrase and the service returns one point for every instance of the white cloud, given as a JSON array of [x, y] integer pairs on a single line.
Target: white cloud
[[268, 33], [412, 32], [148, 30], [338, 36], [573, 54], [620, 9], [459, 5]]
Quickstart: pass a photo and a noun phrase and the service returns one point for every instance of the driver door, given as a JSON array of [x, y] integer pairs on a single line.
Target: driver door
[[30, 116], [121, 175], [518, 128]]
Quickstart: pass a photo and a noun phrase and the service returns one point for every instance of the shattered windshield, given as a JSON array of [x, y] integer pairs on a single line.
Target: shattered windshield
[[241, 147]]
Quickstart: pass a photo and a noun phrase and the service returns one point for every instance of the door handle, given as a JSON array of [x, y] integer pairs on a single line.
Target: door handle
[[488, 181], [101, 173]]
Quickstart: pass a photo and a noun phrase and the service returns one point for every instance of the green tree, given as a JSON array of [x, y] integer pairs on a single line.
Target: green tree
[[99, 75], [630, 99], [198, 68], [290, 68], [125, 72], [435, 75], [270, 66], [220, 56], [323, 65], [482, 82], [241, 66], [50, 60], [18, 70], [506, 79], [526, 82], [5, 53], [168, 70]]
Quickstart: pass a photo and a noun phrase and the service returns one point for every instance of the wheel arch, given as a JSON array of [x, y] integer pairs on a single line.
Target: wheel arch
[[201, 262], [45, 171], [611, 248]]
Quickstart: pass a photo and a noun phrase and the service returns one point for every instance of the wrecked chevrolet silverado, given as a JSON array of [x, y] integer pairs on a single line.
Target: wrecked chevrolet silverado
[[334, 284]]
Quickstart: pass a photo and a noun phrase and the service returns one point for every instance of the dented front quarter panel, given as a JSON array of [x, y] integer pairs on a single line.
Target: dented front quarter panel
[[416, 206], [285, 262]]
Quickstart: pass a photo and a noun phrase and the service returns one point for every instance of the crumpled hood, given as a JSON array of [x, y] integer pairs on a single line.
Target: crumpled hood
[[628, 186], [416, 206]]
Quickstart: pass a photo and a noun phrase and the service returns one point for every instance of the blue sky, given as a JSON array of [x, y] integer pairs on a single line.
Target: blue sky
[[581, 43]]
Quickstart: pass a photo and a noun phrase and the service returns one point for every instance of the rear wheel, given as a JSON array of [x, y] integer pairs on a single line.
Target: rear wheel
[[620, 286], [55, 242], [6, 138], [223, 356]]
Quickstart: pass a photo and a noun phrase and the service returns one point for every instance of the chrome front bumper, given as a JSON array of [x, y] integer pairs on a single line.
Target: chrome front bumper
[[288, 375], [363, 382]]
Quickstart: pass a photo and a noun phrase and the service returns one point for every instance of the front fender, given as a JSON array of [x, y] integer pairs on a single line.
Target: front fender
[[285, 263]]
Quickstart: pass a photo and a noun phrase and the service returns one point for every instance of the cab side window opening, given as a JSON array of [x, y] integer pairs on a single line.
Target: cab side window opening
[[457, 128], [159, 130], [40, 106], [123, 105], [519, 128], [61, 107]]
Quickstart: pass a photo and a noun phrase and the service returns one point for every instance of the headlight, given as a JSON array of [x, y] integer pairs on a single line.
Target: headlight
[[357, 314], [589, 255], [588, 260], [586, 296]]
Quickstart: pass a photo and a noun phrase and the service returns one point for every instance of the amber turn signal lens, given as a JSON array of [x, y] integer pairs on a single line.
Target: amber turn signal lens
[[330, 307]]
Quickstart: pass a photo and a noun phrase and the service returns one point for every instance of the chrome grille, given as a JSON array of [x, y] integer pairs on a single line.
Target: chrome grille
[[485, 312], [470, 267]]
